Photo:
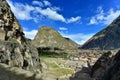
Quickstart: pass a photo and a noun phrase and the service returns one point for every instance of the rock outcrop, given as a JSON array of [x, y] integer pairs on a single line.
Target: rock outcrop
[[107, 67], [14, 73], [10, 29], [108, 38], [17, 55], [48, 37], [15, 50]]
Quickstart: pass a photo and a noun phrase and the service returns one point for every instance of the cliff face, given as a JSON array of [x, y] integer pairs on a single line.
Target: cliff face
[[14, 48], [108, 38], [107, 67], [48, 37], [10, 29]]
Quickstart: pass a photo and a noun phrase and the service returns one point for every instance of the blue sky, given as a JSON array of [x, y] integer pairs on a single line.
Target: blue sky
[[76, 19]]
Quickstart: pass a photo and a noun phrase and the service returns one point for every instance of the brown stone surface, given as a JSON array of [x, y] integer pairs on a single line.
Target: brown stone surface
[[9, 25], [107, 67], [15, 50]]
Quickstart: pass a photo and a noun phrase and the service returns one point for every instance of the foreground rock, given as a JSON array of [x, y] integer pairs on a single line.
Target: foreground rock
[[14, 73], [48, 37], [108, 38], [107, 67], [22, 56], [10, 29], [14, 47]]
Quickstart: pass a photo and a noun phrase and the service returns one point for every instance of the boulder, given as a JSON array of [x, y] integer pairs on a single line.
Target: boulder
[[107, 67]]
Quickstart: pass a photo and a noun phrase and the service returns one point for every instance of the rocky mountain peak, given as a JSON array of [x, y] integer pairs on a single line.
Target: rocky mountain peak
[[12, 51], [107, 67], [10, 29], [49, 37], [46, 28], [108, 38]]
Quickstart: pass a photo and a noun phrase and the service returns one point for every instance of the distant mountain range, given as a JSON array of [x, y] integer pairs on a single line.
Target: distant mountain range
[[108, 38], [49, 37]]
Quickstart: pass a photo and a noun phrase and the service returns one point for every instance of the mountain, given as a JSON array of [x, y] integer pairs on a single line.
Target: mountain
[[15, 49], [108, 38], [49, 37]]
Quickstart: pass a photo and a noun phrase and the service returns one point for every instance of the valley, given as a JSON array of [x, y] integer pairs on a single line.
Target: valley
[[62, 66], [51, 56]]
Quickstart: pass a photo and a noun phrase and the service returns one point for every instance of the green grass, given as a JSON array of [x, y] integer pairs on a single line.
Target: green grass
[[64, 71], [50, 59], [53, 65], [53, 55], [58, 70], [118, 78], [48, 52]]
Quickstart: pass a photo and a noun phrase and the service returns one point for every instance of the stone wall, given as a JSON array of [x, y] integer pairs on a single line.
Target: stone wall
[[14, 73]]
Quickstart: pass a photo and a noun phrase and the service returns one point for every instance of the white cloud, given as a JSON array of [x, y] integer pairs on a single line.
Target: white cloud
[[100, 10], [103, 17], [112, 15], [51, 14], [73, 19], [63, 28], [35, 13], [30, 34], [55, 8], [80, 38], [38, 3], [47, 3], [22, 11], [25, 11], [54, 15], [93, 21]]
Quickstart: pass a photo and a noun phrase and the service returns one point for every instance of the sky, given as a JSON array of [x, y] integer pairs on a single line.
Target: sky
[[78, 20]]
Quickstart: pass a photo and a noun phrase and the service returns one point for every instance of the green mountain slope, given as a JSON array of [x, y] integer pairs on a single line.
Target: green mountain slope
[[48, 37]]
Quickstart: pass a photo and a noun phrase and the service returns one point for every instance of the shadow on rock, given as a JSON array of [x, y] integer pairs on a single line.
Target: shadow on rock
[[83, 74]]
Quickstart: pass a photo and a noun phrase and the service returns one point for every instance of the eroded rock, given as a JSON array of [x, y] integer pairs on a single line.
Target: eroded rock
[[10, 29], [107, 67], [15, 49]]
